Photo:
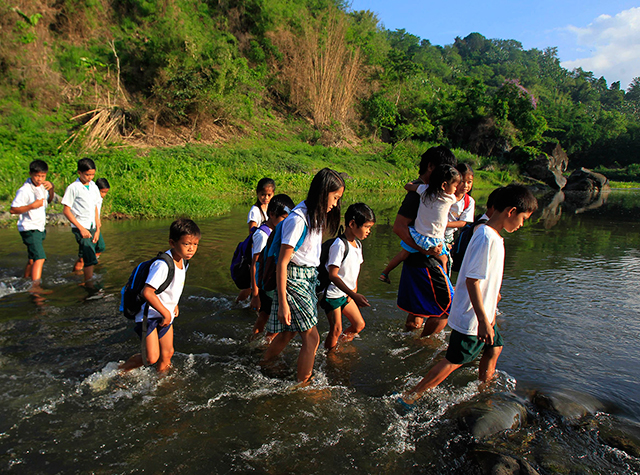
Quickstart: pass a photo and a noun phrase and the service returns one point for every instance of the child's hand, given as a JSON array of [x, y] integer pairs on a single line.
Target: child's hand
[[96, 236], [84, 233], [47, 185], [37, 204], [176, 312], [434, 251], [284, 313], [166, 320], [361, 300], [255, 302], [485, 333]]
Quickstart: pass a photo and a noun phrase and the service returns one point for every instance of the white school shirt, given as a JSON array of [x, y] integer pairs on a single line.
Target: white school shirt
[[483, 260], [34, 219], [308, 255], [169, 298], [458, 213], [348, 269], [255, 215], [83, 202], [259, 241], [99, 204], [432, 215]]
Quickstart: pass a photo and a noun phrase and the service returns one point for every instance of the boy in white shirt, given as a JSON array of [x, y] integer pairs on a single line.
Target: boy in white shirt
[[80, 202], [162, 308], [473, 310], [31, 203], [342, 297]]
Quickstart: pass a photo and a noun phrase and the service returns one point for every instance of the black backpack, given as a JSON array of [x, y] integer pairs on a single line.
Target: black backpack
[[323, 273], [242, 258], [131, 299], [462, 242]]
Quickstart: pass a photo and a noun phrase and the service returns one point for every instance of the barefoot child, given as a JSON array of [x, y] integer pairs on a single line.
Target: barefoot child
[[80, 202], [258, 215], [162, 308], [431, 221], [279, 208], [473, 310], [294, 310], [342, 297], [31, 204], [103, 187]]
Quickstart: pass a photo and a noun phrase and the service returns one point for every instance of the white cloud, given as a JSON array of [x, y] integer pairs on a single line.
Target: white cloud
[[614, 47]]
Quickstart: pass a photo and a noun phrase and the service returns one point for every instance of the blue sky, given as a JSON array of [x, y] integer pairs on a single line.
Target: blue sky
[[599, 36]]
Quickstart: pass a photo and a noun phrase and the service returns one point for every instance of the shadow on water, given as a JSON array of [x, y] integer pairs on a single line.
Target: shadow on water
[[565, 399]]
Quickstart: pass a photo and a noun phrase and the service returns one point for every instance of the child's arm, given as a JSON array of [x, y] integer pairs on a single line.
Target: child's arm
[[49, 187], [23, 209], [457, 224], [255, 296], [72, 219], [149, 294], [411, 186], [96, 236], [359, 299], [252, 224], [485, 329], [284, 312]]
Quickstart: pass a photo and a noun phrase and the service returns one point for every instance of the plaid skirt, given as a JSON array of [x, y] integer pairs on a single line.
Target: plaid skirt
[[302, 300]]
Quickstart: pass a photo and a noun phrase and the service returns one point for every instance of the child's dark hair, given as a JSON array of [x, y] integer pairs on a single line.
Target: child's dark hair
[[183, 227], [443, 173], [280, 205], [360, 213], [437, 156], [38, 166], [86, 164], [491, 201], [102, 184], [326, 181], [464, 168], [263, 184], [517, 196]]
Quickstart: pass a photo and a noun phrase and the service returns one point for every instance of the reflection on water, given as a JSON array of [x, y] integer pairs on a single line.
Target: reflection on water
[[566, 390]]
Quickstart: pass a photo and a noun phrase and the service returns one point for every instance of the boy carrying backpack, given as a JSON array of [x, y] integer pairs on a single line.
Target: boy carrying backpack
[[154, 319]]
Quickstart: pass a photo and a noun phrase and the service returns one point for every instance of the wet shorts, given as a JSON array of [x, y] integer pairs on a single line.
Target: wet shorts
[[329, 305], [33, 240], [466, 348], [152, 324]]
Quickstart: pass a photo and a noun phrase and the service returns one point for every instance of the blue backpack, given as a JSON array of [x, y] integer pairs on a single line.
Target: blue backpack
[[269, 257], [131, 299], [242, 258]]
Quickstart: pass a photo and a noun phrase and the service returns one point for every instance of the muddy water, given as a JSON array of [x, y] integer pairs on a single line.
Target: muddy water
[[568, 378]]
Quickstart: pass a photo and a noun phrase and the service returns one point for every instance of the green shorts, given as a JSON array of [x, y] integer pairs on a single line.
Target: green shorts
[[33, 241], [466, 348], [329, 305], [86, 247]]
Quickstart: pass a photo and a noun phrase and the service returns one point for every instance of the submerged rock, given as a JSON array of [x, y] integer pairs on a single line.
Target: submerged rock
[[620, 433], [500, 464], [490, 416], [569, 404]]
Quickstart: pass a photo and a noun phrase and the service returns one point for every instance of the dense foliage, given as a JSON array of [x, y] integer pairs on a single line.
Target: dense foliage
[[164, 71]]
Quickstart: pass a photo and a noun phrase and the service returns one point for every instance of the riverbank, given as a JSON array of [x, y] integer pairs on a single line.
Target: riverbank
[[205, 180]]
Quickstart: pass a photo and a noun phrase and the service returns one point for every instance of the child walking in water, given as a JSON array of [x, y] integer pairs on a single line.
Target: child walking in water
[[428, 231], [343, 265], [294, 308], [258, 212], [279, 208], [258, 215], [473, 310], [103, 187]]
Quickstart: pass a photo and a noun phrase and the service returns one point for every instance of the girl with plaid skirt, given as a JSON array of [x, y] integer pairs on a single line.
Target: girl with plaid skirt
[[294, 308]]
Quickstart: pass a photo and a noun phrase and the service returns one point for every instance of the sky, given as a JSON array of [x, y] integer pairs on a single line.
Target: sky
[[598, 36]]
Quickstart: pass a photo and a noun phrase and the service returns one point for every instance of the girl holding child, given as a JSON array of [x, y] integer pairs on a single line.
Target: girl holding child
[[294, 308]]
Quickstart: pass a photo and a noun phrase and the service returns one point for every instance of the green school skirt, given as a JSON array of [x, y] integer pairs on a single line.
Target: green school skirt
[[302, 300]]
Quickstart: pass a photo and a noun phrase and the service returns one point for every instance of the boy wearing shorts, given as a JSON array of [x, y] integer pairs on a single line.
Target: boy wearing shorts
[[31, 203], [161, 309], [473, 310]]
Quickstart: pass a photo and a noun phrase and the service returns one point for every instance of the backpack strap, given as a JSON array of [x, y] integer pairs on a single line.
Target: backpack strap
[[467, 201], [163, 256]]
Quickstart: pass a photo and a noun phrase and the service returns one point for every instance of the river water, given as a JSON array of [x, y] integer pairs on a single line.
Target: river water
[[568, 380]]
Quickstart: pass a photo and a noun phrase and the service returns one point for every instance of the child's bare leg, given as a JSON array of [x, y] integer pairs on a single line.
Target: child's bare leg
[[413, 322], [335, 328], [243, 295], [352, 312], [395, 262], [310, 342], [488, 363], [79, 265], [132, 363], [435, 376], [36, 270], [433, 325], [88, 275], [443, 261], [152, 352], [261, 322], [27, 269], [279, 342], [166, 351]]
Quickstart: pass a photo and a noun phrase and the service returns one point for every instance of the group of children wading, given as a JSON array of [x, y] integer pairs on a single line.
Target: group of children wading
[[287, 272]]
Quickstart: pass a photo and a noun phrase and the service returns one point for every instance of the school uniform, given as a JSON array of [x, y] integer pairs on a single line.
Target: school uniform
[[83, 201], [260, 239], [460, 212], [31, 224], [256, 215], [348, 271], [302, 274]]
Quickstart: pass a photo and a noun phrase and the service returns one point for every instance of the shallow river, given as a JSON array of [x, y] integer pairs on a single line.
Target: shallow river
[[568, 382]]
